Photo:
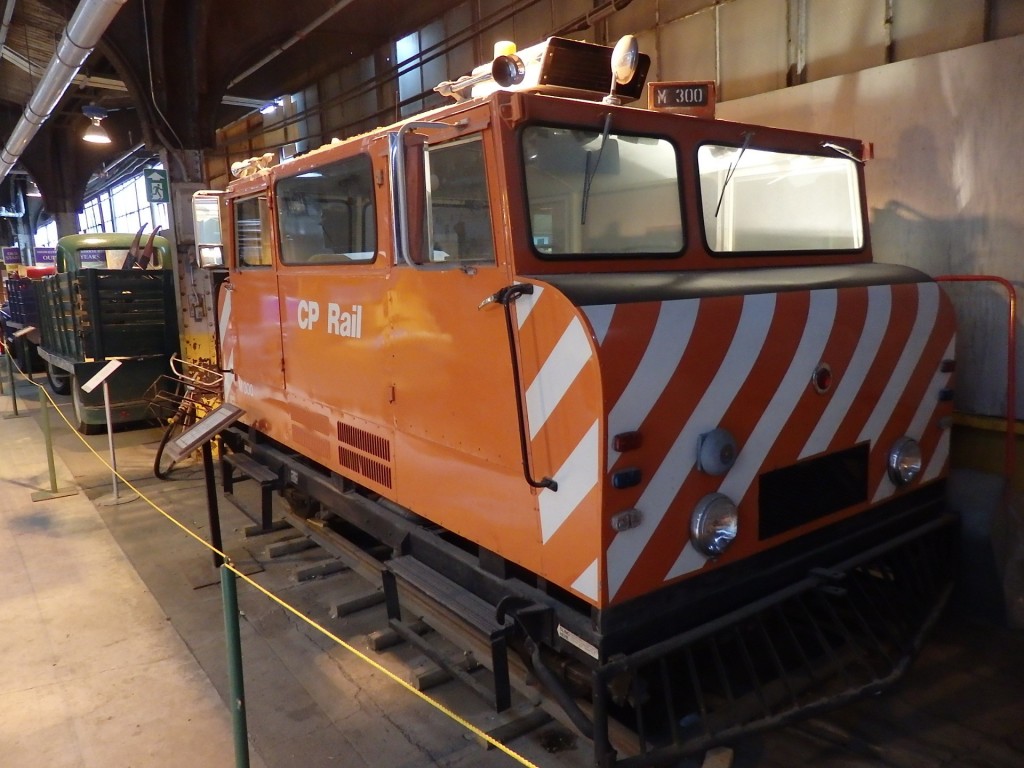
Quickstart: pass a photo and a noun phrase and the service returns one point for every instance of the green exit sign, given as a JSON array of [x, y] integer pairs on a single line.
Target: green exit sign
[[157, 187]]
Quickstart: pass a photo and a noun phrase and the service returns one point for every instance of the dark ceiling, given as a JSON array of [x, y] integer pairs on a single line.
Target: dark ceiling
[[163, 67]]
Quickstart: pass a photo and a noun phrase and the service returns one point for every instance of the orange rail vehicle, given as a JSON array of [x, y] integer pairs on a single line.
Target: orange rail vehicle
[[615, 394]]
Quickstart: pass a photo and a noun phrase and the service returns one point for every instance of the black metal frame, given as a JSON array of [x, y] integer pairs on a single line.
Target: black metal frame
[[835, 614]]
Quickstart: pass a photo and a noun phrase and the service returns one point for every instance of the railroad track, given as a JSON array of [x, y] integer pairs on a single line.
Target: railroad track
[[338, 585]]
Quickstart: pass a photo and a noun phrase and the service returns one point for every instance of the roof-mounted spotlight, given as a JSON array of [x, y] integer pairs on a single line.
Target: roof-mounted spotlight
[[95, 133]]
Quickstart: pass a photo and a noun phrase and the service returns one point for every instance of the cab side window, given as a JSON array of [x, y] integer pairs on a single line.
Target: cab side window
[[327, 216], [252, 232], [460, 212]]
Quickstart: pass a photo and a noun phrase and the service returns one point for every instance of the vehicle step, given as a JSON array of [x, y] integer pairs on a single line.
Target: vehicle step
[[249, 467], [464, 606], [460, 601]]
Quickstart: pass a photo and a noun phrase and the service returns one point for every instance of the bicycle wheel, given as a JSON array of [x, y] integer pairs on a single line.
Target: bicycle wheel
[[183, 418]]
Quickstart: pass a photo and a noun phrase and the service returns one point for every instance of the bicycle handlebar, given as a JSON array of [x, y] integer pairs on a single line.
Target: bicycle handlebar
[[195, 374]]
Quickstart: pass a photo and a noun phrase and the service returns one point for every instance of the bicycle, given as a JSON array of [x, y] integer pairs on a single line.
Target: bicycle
[[195, 386]]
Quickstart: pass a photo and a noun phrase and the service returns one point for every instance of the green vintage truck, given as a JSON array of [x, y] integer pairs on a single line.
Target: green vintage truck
[[111, 298]]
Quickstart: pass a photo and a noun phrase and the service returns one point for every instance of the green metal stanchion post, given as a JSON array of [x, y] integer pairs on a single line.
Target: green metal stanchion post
[[10, 378], [54, 492], [232, 635]]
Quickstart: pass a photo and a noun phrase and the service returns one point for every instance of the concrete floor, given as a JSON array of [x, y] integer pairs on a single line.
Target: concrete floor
[[111, 634], [93, 672], [309, 701]]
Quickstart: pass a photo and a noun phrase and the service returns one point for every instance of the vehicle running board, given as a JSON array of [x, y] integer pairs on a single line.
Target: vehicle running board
[[458, 603]]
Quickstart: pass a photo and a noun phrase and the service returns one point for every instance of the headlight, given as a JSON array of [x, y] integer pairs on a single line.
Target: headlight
[[904, 461], [714, 524]]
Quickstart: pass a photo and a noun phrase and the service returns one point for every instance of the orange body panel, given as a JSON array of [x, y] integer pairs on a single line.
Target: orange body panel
[[395, 377]]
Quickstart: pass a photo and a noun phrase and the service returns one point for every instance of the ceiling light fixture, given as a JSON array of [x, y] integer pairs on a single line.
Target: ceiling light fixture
[[95, 133], [271, 106]]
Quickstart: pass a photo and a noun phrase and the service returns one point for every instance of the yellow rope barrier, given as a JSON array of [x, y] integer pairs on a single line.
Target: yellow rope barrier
[[274, 598], [362, 656]]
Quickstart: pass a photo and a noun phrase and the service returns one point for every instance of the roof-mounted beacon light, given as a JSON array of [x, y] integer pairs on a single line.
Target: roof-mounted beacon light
[[625, 59], [558, 67]]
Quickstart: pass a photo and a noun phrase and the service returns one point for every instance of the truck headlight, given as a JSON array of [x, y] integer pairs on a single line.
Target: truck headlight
[[714, 524], [904, 461]]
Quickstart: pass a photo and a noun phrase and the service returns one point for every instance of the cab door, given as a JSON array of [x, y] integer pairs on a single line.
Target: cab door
[[333, 279], [249, 317], [454, 409]]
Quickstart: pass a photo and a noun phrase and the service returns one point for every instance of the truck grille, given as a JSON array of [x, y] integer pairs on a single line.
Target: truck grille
[[798, 494]]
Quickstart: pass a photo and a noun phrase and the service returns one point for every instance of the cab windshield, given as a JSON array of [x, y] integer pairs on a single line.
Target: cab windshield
[[595, 193], [756, 200]]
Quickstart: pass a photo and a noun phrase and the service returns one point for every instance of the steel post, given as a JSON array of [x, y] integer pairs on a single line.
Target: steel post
[[232, 636]]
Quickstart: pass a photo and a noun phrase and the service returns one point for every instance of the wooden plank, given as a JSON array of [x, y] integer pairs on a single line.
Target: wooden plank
[[515, 723], [289, 546], [356, 604], [318, 570], [383, 639]]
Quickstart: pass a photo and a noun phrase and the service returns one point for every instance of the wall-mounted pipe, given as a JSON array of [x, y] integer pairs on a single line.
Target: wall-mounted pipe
[[1010, 445], [83, 32]]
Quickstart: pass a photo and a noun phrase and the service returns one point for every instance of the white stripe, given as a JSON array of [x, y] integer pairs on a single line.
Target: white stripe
[[924, 414], [931, 398], [627, 546], [668, 342], [689, 560], [927, 308], [575, 478], [524, 304], [586, 584], [567, 359], [938, 460], [600, 317], [820, 318], [850, 383], [224, 322]]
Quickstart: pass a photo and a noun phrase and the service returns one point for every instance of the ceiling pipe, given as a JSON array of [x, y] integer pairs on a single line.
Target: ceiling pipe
[[297, 37], [83, 32], [113, 84]]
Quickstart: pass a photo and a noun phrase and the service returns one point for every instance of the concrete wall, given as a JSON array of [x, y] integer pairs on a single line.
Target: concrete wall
[[946, 185]]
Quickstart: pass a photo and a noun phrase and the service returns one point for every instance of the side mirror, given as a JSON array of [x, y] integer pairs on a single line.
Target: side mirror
[[207, 227]]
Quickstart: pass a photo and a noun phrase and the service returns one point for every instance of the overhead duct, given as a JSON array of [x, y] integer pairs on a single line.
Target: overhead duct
[[83, 32]]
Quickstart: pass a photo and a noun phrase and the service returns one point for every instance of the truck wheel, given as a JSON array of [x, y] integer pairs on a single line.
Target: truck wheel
[[60, 380], [79, 411]]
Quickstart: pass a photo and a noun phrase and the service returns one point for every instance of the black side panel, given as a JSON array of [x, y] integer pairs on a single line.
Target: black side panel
[[630, 287]]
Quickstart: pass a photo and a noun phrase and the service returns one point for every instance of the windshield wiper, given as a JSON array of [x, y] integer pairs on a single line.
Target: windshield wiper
[[842, 151], [590, 171], [732, 169]]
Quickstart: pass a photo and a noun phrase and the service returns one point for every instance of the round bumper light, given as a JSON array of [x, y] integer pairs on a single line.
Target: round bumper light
[[904, 461], [714, 524]]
